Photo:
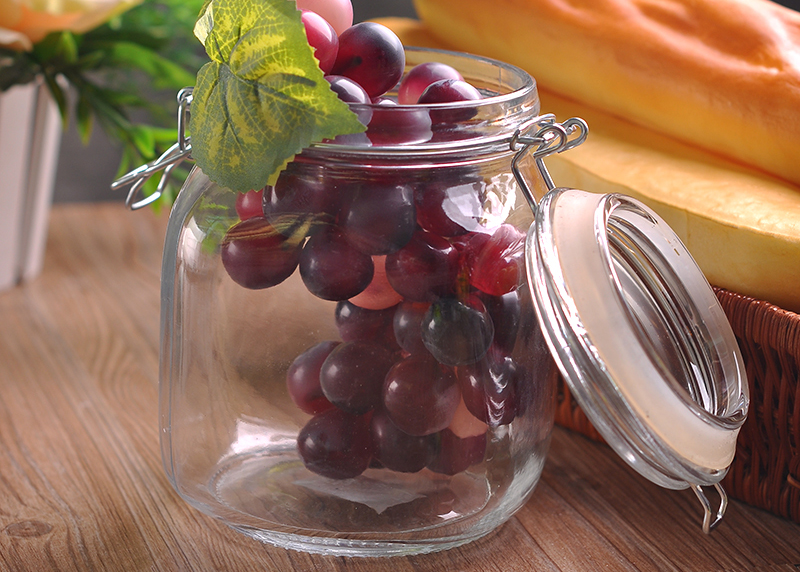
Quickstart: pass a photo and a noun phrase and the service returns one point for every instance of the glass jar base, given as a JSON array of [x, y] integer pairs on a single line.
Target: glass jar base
[[356, 548], [406, 514]]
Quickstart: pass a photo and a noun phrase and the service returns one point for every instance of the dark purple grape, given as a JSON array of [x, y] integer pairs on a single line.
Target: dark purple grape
[[457, 332], [332, 268], [393, 125], [302, 378], [336, 444], [357, 323], [420, 77], [505, 313], [420, 396], [489, 387], [347, 89], [440, 207], [372, 55], [407, 324], [255, 255], [456, 454], [449, 91], [424, 269], [322, 37], [350, 91], [380, 217], [468, 246], [397, 450], [301, 201], [352, 375]]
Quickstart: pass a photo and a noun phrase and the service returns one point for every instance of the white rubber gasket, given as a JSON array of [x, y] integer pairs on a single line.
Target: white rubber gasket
[[594, 335]]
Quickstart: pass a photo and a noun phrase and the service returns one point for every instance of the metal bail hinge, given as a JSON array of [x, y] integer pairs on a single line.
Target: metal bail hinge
[[552, 137], [711, 520], [167, 162]]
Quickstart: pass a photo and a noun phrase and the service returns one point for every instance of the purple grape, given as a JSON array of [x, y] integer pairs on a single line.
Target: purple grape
[[505, 313], [332, 268], [393, 125], [352, 375], [380, 218], [301, 198], [357, 323], [256, 256], [397, 450], [407, 325], [420, 396], [432, 202], [498, 265], [420, 77], [449, 91], [488, 388], [348, 90], [336, 444], [424, 269], [457, 332], [456, 454], [372, 55], [302, 378]]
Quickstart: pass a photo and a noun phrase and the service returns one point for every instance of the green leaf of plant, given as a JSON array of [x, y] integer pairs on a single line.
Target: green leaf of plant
[[16, 69], [83, 115], [262, 99], [59, 97], [165, 74], [67, 47], [144, 140]]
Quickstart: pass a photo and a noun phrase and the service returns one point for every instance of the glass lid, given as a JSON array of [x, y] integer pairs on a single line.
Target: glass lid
[[639, 337]]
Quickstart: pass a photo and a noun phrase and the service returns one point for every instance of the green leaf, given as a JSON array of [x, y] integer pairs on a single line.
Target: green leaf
[[59, 97], [262, 99], [83, 116], [67, 48], [16, 69], [144, 140], [163, 71]]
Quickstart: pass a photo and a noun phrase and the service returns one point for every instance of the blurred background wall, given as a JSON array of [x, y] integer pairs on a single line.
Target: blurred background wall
[[85, 172]]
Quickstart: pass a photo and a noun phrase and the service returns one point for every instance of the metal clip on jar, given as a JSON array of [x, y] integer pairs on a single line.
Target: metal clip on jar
[[412, 412]]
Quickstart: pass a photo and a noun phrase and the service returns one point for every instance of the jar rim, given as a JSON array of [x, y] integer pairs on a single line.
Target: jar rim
[[511, 104]]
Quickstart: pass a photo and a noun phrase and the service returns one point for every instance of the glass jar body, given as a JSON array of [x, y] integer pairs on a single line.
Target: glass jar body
[[427, 417]]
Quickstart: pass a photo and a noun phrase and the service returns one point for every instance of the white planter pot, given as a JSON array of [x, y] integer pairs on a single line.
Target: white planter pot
[[30, 134]]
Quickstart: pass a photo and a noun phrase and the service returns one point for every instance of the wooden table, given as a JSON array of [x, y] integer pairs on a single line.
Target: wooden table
[[81, 483]]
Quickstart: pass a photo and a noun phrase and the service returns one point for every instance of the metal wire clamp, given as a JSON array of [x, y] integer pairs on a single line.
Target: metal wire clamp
[[167, 162], [552, 137], [711, 520]]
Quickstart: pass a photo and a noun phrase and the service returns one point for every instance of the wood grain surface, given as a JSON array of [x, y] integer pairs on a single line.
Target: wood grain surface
[[81, 483]]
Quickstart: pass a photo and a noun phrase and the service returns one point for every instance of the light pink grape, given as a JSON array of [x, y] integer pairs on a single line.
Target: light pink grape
[[322, 37], [338, 13], [379, 295]]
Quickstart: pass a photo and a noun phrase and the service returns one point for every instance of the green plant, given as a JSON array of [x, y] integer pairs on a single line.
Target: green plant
[[116, 75]]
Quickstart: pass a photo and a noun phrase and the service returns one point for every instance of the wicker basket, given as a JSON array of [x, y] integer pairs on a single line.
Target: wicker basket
[[766, 470]]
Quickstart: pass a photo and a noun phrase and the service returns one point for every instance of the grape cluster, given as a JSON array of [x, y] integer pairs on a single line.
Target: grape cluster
[[427, 308]]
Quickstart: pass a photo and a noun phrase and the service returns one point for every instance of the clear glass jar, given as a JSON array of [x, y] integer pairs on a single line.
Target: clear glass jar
[[443, 342]]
